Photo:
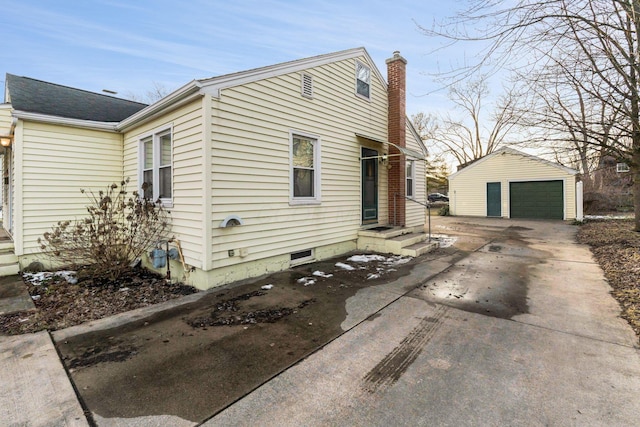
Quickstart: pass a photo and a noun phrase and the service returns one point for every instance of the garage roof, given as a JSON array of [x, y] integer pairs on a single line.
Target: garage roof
[[507, 150]]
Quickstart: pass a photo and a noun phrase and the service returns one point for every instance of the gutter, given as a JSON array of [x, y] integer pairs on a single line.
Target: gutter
[[79, 123]]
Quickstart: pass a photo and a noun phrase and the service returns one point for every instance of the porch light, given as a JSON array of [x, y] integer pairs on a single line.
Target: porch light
[[5, 141]]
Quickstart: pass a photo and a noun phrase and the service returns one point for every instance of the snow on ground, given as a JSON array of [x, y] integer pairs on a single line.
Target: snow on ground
[[267, 287], [344, 266], [306, 281], [443, 240], [37, 278], [321, 274], [612, 216], [366, 258]]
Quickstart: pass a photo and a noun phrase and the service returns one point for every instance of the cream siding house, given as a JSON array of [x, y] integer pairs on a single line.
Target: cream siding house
[[512, 184], [260, 170]]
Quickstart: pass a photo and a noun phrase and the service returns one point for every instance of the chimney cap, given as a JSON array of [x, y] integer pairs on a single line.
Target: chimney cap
[[396, 57]]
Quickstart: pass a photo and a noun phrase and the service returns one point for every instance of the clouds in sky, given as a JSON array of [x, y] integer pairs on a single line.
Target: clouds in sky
[[126, 46]]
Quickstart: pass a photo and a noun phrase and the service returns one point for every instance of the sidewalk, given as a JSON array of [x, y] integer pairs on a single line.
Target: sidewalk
[[35, 388]]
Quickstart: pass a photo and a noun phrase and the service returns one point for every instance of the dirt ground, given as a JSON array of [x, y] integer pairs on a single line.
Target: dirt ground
[[223, 346], [60, 304], [616, 248]]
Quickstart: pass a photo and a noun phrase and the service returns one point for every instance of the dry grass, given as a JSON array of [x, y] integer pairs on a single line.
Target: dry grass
[[616, 248]]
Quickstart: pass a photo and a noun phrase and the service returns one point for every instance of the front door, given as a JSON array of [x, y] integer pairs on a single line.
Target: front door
[[369, 185], [494, 199]]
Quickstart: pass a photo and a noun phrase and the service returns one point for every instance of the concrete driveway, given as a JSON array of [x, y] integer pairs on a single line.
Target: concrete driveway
[[514, 326]]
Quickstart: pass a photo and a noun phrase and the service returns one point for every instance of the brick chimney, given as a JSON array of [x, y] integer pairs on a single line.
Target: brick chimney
[[396, 76]]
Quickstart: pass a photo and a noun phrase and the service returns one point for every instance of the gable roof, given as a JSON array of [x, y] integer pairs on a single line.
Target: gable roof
[[214, 85], [36, 96], [507, 150]]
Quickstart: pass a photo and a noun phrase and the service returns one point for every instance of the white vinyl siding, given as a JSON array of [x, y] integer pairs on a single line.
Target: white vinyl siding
[[251, 127], [187, 212], [467, 187], [52, 164], [7, 207], [415, 213]]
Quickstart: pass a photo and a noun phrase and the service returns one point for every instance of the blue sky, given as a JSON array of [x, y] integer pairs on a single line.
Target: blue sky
[[126, 46]]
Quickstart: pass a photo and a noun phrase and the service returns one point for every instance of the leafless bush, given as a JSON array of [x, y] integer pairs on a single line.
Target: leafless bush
[[119, 229]]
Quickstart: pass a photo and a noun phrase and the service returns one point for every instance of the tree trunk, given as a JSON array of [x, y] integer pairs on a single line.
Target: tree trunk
[[635, 170]]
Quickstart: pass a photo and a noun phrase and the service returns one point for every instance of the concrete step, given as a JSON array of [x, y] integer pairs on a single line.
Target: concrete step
[[8, 257], [396, 244], [6, 245], [418, 249], [9, 269]]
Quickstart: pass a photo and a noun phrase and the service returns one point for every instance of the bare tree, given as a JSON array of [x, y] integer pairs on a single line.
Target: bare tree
[[574, 126], [602, 36], [437, 170], [471, 135], [155, 93], [425, 124]]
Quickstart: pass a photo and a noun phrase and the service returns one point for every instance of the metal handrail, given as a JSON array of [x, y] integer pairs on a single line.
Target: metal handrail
[[426, 205]]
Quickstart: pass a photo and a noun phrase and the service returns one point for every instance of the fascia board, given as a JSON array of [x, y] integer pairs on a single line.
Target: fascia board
[[512, 151], [65, 121], [214, 85], [176, 97]]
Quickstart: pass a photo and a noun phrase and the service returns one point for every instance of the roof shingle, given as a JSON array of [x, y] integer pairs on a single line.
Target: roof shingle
[[36, 96]]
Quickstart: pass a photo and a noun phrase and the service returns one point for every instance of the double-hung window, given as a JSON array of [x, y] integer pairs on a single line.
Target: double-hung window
[[305, 169], [156, 165], [363, 80], [411, 178]]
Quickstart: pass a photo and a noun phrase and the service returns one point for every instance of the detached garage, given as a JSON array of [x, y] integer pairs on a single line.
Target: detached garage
[[512, 184]]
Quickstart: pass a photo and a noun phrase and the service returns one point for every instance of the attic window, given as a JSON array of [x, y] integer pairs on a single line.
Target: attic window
[[307, 85], [622, 167], [363, 80]]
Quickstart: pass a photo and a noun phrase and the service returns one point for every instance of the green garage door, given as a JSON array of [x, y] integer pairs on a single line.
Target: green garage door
[[537, 199]]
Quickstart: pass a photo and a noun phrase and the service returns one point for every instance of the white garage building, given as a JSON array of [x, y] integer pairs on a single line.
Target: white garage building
[[512, 184]]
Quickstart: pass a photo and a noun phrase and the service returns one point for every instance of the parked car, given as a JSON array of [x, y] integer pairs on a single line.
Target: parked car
[[437, 197]]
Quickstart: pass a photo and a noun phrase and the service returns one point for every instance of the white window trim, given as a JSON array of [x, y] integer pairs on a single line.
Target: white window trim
[[155, 137], [622, 168], [317, 162], [412, 178], [356, 81]]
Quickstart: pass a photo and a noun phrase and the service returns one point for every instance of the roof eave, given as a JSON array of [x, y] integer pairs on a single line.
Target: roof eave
[[176, 98], [214, 85], [65, 121], [515, 152]]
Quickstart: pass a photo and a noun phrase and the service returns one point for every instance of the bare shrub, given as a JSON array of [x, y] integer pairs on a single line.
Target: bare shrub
[[119, 229]]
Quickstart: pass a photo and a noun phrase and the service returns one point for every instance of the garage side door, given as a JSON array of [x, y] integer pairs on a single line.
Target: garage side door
[[537, 199]]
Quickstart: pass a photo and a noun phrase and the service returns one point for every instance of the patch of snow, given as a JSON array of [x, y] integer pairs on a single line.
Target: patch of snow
[[123, 289], [373, 276], [35, 297], [612, 216], [397, 260], [306, 281], [366, 258], [37, 278], [344, 266], [321, 274], [443, 240], [266, 287]]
